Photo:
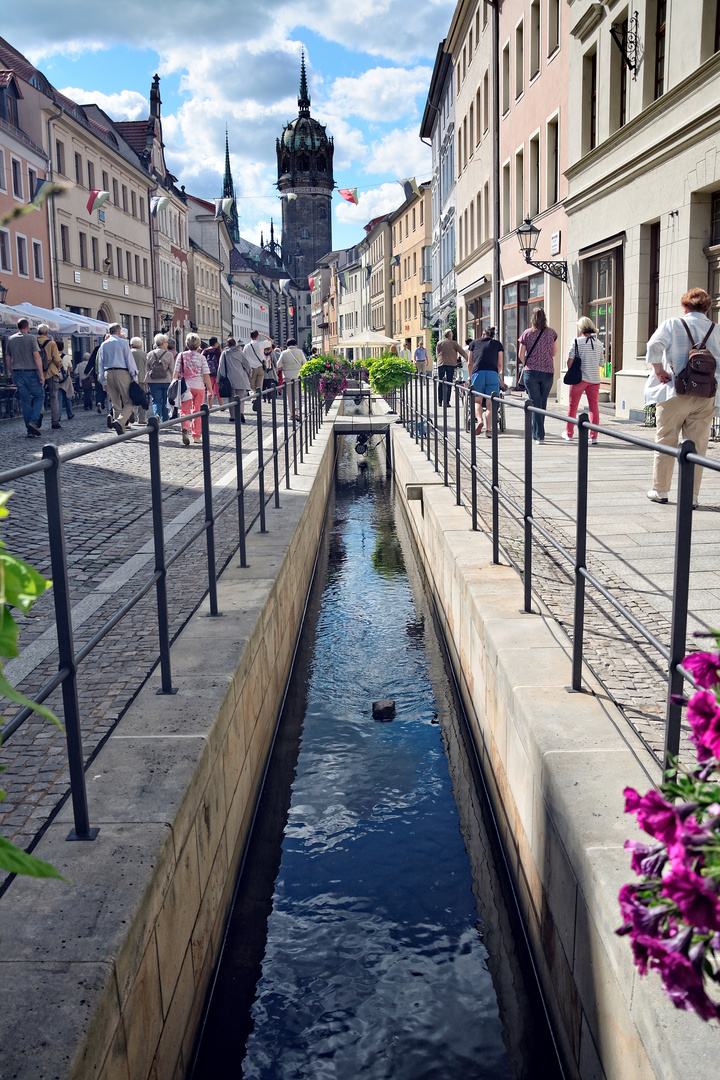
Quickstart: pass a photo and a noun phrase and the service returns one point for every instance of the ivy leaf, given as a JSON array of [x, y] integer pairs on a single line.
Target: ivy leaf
[[9, 692], [16, 861], [8, 633], [23, 584]]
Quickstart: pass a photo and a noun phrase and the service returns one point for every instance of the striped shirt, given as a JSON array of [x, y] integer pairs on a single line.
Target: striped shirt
[[592, 355]]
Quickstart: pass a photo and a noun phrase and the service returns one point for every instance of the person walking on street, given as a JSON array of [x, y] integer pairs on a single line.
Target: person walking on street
[[235, 367], [291, 360], [52, 366], [212, 355], [486, 363], [450, 356], [684, 407], [538, 346], [66, 386], [140, 358], [116, 370], [421, 357], [254, 353], [86, 381], [589, 352], [192, 366], [24, 365], [160, 364]]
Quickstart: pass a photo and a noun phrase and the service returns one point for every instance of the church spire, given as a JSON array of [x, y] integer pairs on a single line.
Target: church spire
[[229, 193], [304, 98]]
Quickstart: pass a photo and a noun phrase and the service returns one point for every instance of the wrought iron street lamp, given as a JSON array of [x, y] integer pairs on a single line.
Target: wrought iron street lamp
[[528, 235]]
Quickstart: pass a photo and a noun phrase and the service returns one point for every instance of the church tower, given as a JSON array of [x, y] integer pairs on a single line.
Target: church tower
[[229, 193], [305, 171]]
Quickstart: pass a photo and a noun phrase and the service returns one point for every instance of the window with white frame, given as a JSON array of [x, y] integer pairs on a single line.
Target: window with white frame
[[32, 184], [5, 253], [22, 256], [38, 269], [17, 179], [3, 181]]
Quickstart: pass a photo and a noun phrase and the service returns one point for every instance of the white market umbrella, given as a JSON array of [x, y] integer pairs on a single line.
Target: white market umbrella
[[368, 339], [9, 316], [59, 323]]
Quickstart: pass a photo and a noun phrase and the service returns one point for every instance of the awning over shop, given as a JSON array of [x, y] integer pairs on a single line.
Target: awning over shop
[[9, 318], [62, 322], [367, 339]]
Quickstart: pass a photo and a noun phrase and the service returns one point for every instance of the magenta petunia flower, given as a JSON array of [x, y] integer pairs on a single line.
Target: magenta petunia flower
[[705, 667], [683, 985], [703, 716], [694, 897], [647, 859], [655, 815]]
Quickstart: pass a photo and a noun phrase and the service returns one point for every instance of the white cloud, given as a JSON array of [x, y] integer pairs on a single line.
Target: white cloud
[[384, 94], [126, 105], [371, 204], [402, 151]]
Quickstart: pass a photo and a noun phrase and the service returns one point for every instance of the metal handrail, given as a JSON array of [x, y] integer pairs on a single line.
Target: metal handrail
[[296, 435], [422, 424]]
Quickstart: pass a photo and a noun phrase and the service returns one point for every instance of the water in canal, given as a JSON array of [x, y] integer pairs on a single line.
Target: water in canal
[[370, 935]]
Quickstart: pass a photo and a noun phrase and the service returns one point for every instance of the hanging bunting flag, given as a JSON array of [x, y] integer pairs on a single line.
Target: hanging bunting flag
[[227, 205], [395, 260], [349, 194], [409, 187], [218, 208], [369, 271], [290, 195], [97, 198], [311, 283], [158, 202], [43, 188], [345, 279]]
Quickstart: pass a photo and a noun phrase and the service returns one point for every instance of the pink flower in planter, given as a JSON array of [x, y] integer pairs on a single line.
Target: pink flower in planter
[[705, 667], [703, 716], [646, 859], [693, 895], [655, 815]]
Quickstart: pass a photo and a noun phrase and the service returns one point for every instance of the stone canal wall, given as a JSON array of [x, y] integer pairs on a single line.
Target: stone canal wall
[[556, 764], [106, 976]]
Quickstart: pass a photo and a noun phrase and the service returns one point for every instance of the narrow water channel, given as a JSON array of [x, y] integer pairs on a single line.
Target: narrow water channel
[[370, 935]]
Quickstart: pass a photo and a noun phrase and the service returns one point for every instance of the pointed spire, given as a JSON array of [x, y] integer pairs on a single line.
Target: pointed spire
[[272, 233], [304, 98], [229, 193], [155, 101]]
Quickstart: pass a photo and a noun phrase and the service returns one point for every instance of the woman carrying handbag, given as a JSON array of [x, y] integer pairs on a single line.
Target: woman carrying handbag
[[538, 373], [585, 356]]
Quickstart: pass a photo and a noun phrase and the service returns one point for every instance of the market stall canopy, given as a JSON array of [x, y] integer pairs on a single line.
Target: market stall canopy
[[365, 340], [63, 322], [9, 318]]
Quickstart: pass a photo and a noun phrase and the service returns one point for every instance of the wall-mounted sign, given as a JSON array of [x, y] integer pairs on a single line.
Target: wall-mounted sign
[[555, 243], [127, 290], [101, 215], [105, 284], [77, 277]]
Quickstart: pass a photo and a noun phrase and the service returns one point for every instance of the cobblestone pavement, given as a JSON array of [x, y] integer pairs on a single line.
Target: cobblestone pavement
[[106, 502], [630, 551]]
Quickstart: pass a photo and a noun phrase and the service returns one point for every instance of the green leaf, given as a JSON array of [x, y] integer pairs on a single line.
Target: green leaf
[[23, 584], [16, 861], [9, 692], [8, 633]]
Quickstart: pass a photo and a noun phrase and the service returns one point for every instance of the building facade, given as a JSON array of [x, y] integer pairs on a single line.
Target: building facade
[[25, 262], [438, 127], [411, 270], [378, 244], [643, 176], [204, 283], [212, 234]]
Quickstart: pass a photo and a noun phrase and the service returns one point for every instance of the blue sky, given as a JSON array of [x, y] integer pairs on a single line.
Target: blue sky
[[238, 63]]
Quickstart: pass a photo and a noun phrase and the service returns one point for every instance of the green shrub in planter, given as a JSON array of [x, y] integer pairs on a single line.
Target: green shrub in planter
[[388, 373]]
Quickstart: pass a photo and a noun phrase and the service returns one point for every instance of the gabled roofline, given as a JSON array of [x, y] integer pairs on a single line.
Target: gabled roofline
[[443, 61]]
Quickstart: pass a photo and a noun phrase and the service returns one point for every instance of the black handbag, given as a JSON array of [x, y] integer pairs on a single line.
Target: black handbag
[[573, 375], [138, 396]]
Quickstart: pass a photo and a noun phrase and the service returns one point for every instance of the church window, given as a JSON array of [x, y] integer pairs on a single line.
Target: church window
[[285, 167], [322, 213], [321, 165], [304, 234], [303, 163]]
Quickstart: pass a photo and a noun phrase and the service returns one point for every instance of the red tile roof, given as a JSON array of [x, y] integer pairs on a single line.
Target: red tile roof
[[134, 132], [6, 77]]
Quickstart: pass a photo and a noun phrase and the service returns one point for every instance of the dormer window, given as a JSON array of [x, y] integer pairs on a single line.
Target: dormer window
[[8, 104]]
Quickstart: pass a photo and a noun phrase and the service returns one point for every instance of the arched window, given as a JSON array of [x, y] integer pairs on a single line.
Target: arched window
[[322, 213], [285, 166], [303, 164], [321, 164]]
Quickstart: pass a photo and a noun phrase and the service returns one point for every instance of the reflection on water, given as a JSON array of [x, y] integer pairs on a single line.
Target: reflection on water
[[359, 944]]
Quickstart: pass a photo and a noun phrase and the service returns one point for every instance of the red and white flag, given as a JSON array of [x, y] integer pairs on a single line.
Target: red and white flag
[[97, 198], [349, 194]]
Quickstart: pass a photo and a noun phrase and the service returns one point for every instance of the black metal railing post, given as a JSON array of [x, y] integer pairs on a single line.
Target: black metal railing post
[[293, 392], [430, 388], [261, 465], [458, 498], [209, 516], [527, 515], [301, 416], [240, 483], [495, 414], [440, 388], [681, 587], [420, 410], [286, 441], [445, 439], [66, 647], [473, 460], [580, 552], [276, 463], [159, 548]]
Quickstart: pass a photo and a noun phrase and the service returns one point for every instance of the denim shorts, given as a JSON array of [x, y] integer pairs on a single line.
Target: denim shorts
[[486, 382]]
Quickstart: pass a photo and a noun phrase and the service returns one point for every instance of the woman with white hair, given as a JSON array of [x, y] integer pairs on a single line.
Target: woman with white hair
[[160, 363], [140, 357], [587, 351], [192, 366]]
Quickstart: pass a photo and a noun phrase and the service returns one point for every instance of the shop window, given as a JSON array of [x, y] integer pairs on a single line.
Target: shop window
[[654, 297], [519, 300], [600, 285]]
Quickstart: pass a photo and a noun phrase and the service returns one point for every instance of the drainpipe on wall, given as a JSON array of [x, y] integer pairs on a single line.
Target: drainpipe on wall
[[50, 174]]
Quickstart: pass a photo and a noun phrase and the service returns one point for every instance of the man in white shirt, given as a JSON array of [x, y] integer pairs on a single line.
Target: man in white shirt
[[421, 357], [254, 353], [116, 370], [679, 415]]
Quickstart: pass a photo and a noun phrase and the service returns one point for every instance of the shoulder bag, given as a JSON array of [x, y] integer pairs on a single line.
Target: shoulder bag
[[573, 375]]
